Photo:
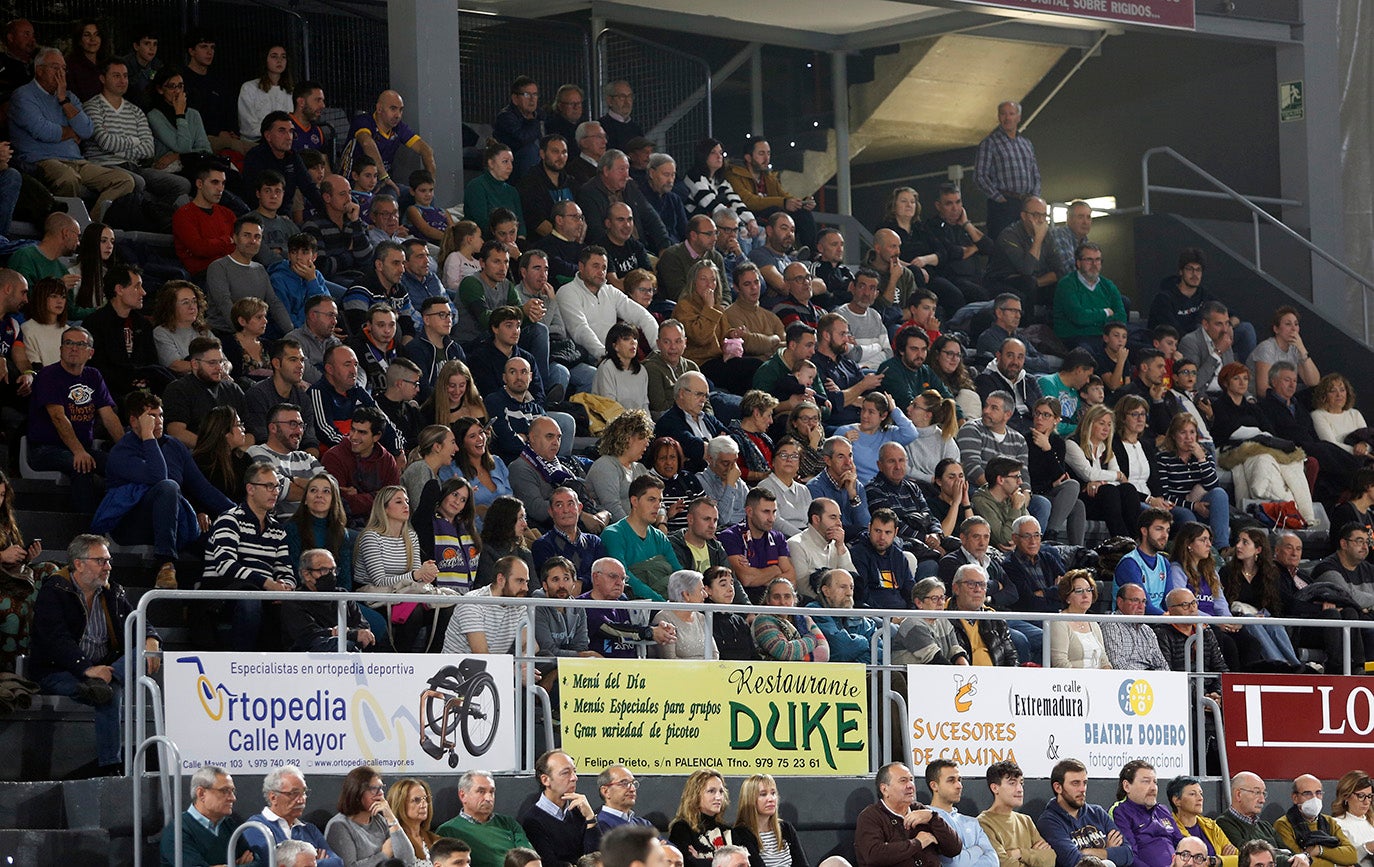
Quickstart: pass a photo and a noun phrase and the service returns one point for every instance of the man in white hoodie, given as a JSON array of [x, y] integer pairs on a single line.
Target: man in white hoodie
[[589, 308]]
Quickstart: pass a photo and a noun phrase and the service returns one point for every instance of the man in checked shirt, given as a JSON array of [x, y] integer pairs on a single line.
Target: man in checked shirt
[[1005, 169]]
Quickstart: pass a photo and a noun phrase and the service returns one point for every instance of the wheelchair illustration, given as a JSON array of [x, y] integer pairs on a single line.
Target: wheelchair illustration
[[460, 698]]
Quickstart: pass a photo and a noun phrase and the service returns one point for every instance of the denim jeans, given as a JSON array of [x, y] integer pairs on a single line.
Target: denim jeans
[[155, 520], [1218, 516], [534, 339], [1028, 639], [107, 729], [58, 458]]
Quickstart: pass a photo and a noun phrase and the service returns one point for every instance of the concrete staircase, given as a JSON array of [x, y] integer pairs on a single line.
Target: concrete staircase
[[896, 114]]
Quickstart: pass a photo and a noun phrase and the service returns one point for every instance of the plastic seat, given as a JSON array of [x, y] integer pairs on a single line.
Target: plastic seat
[[29, 472]]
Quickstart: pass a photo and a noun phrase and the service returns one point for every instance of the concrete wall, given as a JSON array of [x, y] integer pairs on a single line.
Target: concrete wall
[[1213, 101]]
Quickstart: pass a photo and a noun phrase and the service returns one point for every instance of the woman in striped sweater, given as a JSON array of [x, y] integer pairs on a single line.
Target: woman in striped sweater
[[1187, 478], [388, 559]]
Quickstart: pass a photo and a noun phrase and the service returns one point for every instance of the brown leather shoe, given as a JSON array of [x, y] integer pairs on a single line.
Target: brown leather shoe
[[166, 577]]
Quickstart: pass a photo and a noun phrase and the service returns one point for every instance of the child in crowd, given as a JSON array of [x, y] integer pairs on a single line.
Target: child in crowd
[[458, 253], [363, 177], [921, 310], [423, 218], [318, 167], [1093, 393], [1165, 339]]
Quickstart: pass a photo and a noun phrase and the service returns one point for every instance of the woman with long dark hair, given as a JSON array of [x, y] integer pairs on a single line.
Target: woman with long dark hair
[[457, 545], [178, 130], [665, 459], [365, 831], [704, 191], [221, 451], [475, 462], [269, 92], [1250, 581], [505, 532], [947, 360], [90, 48], [95, 256]]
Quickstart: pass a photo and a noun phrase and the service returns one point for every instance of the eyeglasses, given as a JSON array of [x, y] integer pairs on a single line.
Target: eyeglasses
[[976, 585], [293, 424], [276, 486], [224, 790], [803, 277], [210, 362], [102, 561], [1185, 605], [419, 799], [442, 314], [951, 353], [1198, 858], [294, 794], [1365, 798], [698, 393], [1043, 413], [1087, 590], [934, 597], [376, 790], [1017, 310], [788, 456], [1028, 535], [626, 784]]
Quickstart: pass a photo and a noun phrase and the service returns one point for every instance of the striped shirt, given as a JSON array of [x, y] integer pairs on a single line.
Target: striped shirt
[[1006, 166], [1177, 477], [499, 624], [241, 550], [292, 465], [122, 135], [387, 561]]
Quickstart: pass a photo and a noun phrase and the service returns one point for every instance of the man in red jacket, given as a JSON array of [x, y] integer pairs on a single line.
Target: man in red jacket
[[203, 229]]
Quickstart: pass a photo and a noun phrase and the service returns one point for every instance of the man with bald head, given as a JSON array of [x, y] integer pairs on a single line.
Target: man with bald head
[[61, 237], [624, 253], [1024, 260], [1307, 830], [381, 134], [1242, 823], [896, 281], [1173, 637], [1005, 169], [611, 185], [345, 253]]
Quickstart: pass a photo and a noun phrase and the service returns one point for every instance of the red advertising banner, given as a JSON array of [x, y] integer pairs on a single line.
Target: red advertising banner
[[1283, 725], [1178, 14]]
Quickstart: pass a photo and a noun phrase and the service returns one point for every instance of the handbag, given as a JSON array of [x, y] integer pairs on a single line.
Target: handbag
[[566, 351]]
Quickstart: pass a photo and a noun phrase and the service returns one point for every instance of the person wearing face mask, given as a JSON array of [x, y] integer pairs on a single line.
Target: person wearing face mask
[[314, 626], [1305, 828]]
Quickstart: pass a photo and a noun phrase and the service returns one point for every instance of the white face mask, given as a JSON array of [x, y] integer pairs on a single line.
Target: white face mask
[[1311, 808]]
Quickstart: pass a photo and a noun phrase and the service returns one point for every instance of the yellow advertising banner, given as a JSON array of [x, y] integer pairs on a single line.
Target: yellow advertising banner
[[664, 716]]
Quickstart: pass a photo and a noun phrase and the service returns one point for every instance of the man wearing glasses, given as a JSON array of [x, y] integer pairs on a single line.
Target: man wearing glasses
[[677, 259], [1349, 567], [78, 634], [285, 428], [619, 792], [314, 626], [155, 493], [285, 791], [208, 385], [1024, 260], [1306, 829], [1173, 638], [247, 551], [519, 124], [208, 822], [433, 346], [1242, 822], [67, 399]]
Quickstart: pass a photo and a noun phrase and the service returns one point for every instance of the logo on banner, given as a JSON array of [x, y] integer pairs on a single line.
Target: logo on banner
[[1135, 697], [964, 691]]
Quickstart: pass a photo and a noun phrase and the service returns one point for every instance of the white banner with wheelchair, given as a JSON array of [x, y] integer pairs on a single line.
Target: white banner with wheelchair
[[404, 714]]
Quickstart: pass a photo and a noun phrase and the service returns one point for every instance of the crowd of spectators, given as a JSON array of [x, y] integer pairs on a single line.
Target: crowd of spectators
[[377, 824], [347, 386]]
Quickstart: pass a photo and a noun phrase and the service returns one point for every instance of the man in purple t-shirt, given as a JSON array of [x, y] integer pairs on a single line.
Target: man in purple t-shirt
[[757, 552], [67, 399], [380, 135]]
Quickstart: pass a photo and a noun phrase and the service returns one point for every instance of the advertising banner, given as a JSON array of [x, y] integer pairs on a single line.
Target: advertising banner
[[1291, 725], [1037, 716], [673, 716], [1178, 14], [406, 713]]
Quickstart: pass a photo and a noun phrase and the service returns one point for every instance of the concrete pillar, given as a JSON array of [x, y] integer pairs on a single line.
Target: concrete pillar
[[1310, 152], [422, 36], [756, 91], [839, 87]]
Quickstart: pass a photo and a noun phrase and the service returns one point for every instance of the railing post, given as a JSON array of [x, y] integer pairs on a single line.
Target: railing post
[[267, 838], [170, 801], [1254, 221]]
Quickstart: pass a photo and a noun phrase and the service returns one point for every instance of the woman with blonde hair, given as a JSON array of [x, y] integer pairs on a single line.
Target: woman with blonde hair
[[1106, 493], [622, 444], [701, 310], [1350, 809], [388, 558], [936, 418], [698, 828], [1334, 415], [179, 318], [454, 396], [768, 839], [413, 804], [434, 451]]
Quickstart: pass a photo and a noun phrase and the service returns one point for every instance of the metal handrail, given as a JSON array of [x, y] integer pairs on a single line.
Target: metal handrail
[[171, 801], [1256, 214], [138, 654], [267, 836], [669, 120]]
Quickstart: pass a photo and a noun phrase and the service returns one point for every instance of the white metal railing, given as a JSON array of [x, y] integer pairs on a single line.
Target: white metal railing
[[1257, 214]]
